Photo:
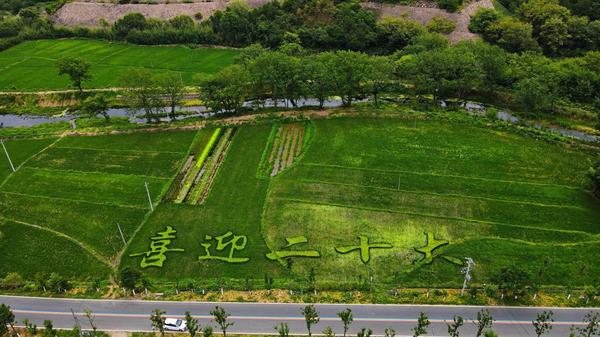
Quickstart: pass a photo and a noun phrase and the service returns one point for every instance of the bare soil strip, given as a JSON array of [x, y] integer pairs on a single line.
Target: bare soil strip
[[288, 146]]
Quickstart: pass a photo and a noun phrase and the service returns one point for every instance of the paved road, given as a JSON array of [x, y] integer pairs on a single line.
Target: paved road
[[259, 318]]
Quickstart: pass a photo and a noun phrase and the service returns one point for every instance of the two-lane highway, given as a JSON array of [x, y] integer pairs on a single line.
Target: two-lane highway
[[261, 318]]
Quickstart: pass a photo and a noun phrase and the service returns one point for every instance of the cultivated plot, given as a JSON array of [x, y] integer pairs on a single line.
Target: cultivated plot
[[32, 66]]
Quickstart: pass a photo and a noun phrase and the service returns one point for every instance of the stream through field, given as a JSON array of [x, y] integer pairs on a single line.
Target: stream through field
[[15, 120]]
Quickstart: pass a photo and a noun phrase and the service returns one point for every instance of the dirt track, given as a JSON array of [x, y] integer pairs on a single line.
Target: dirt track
[[82, 13]]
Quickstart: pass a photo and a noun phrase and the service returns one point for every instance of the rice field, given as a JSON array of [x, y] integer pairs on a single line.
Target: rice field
[[339, 185], [31, 66]]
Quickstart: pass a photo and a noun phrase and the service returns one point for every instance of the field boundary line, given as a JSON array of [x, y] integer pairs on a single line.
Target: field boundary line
[[114, 150], [112, 54], [28, 159], [72, 200], [124, 175], [302, 201], [443, 175], [15, 63], [454, 195], [531, 243], [85, 247]]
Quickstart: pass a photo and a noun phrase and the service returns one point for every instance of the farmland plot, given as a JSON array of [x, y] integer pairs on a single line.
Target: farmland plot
[[87, 190]]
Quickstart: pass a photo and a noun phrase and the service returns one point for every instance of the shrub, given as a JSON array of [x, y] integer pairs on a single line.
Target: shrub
[[594, 174], [12, 281], [440, 24], [449, 5], [482, 20]]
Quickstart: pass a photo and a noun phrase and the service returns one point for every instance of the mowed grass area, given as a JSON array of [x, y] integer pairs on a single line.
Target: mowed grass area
[[497, 197], [79, 189], [31, 65]]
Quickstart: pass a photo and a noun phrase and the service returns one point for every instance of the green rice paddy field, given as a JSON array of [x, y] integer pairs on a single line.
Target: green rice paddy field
[[31, 65], [502, 199]]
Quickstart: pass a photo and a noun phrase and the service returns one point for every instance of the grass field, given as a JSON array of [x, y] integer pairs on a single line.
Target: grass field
[[32, 66], [501, 198]]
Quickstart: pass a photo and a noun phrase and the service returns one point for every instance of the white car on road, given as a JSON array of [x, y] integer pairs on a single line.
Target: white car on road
[[175, 324]]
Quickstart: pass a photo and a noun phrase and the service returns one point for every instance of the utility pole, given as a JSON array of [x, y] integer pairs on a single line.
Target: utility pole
[[467, 271], [7, 156], [122, 236], [149, 198]]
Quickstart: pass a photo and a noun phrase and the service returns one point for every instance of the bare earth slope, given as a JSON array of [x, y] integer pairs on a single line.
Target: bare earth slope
[[81, 13]]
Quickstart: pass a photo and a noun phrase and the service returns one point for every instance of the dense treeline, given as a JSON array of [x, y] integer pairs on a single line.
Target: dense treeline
[[539, 25], [428, 66]]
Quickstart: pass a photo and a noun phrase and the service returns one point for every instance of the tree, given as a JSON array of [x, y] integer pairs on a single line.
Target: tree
[[594, 175], [234, 26], [89, 315], [319, 83], [396, 33], [221, 318], [7, 318], [49, 329], [389, 332], [422, 324], [543, 323], [277, 75], [158, 321], [352, 27], [77, 69], [131, 21], [142, 92], [94, 106], [226, 90], [172, 89], [32, 329], [484, 321], [347, 318], [192, 324], [455, 326], [512, 35], [348, 71], [364, 333], [378, 76], [591, 328], [129, 278], [311, 317], [283, 330]]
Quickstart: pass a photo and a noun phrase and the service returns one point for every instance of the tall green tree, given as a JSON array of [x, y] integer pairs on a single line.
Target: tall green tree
[[77, 69], [311, 317], [7, 319], [192, 324], [348, 70], [221, 316], [171, 89], [422, 323], [319, 83], [484, 321], [142, 92], [347, 319], [378, 76], [94, 106], [453, 328], [543, 323], [157, 319], [226, 90]]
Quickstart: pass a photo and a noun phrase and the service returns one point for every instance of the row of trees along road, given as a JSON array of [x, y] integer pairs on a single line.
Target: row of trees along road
[[483, 324]]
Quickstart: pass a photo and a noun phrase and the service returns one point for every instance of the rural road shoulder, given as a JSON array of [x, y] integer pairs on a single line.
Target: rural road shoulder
[[261, 318]]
